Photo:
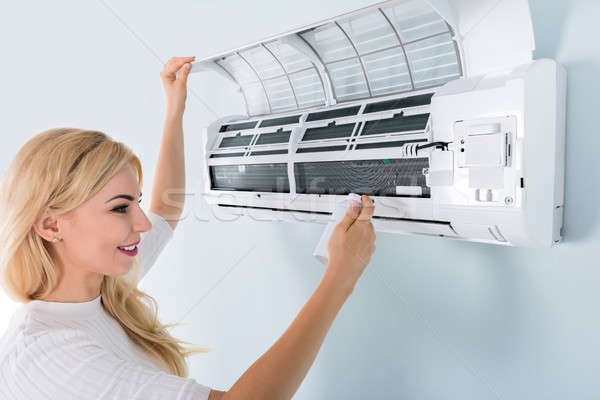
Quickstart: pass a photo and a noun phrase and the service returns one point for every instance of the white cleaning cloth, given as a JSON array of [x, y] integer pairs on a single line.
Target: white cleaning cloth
[[338, 214]]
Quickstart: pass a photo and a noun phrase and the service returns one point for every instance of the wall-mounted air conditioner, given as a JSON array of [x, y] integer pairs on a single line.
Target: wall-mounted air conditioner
[[434, 108]]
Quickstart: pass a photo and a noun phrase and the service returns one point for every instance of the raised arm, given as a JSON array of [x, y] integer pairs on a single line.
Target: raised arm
[[278, 373], [168, 187]]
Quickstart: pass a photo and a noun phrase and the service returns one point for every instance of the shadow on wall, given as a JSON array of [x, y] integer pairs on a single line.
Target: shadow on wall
[[583, 69], [549, 21], [582, 174]]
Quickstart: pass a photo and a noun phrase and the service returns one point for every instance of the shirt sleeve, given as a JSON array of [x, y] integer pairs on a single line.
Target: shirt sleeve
[[153, 242], [70, 366]]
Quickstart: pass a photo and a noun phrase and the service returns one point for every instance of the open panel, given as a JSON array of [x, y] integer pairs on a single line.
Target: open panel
[[400, 46]]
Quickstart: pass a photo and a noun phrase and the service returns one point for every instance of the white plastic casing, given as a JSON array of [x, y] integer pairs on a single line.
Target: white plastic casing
[[501, 178]]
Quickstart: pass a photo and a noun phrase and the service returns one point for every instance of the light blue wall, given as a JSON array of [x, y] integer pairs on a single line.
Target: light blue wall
[[429, 319]]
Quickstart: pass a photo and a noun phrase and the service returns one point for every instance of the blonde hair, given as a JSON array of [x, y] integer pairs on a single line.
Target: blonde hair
[[57, 170]]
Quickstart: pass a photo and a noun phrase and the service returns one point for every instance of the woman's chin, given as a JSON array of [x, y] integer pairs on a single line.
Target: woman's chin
[[121, 270]]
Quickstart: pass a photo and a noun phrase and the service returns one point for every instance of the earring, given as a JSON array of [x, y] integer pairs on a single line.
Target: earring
[[56, 239]]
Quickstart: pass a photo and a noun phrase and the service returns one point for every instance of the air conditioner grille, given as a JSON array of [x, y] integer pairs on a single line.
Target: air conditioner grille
[[371, 177], [399, 123], [274, 137], [250, 177], [320, 149], [329, 132], [405, 102], [293, 119], [337, 113], [238, 127], [235, 141], [268, 152], [225, 155]]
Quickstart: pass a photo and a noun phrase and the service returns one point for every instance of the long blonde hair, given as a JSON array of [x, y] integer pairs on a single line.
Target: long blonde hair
[[58, 170]]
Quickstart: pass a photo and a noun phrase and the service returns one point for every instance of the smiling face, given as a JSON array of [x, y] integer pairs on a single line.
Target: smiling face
[[93, 232]]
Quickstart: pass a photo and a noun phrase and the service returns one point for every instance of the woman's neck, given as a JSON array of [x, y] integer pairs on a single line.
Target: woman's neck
[[76, 287]]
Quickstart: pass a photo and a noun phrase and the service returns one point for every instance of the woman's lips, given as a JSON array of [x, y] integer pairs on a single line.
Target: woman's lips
[[131, 253]]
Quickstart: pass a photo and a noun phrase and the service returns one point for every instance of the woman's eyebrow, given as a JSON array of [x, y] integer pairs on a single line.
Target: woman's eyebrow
[[122, 196]]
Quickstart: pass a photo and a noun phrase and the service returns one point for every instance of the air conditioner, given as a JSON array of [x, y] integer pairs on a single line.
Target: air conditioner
[[436, 109]]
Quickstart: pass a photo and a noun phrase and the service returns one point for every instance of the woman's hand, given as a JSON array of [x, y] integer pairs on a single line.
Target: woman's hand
[[174, 80], [352, 243]]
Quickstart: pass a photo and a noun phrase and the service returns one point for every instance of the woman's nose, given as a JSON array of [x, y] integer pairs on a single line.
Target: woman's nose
[[142, 223]]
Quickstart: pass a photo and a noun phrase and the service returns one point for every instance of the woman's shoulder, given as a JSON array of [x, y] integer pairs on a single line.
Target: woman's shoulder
[[46, 359], [38, 354], [31, 329], [27, 325], [33, 341], [30, 341]]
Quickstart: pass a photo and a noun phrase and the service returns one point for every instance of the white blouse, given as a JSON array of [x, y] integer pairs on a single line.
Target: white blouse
[[77, 351]]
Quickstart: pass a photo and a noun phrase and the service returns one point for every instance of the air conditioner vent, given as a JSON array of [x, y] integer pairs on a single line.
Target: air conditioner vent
[[337, 113], [238, 127], [406, 102], [235, 141], [399, 123], [280, 136], [320, 149], [332, 131], [371, 177], [250, 177], [268, 152], [224, 155], [293, 119]]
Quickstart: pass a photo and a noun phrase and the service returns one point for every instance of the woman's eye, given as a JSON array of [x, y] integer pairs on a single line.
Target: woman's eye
[[120, 209]]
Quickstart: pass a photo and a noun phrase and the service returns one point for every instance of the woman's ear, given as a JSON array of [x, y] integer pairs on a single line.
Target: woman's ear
[[47, 227]]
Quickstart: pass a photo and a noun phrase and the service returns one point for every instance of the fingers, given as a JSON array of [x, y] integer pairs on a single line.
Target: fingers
[[174, 65], [368, 208], [183, 74], [351, 214], [358, 212]]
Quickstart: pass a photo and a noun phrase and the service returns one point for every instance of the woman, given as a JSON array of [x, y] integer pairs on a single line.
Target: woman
[[72, 227]]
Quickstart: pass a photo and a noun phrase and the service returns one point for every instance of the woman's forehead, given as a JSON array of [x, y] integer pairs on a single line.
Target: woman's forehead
[[124, 182]]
